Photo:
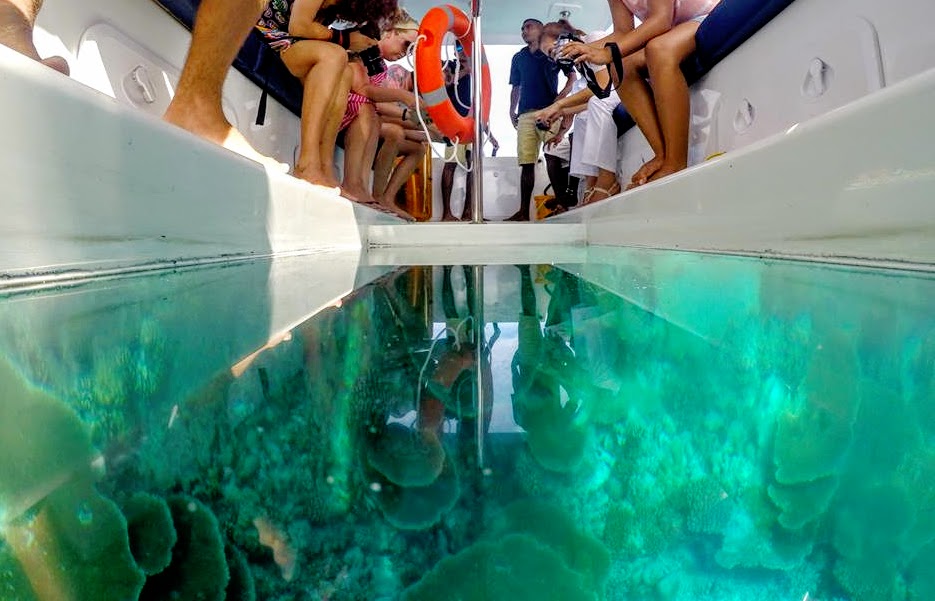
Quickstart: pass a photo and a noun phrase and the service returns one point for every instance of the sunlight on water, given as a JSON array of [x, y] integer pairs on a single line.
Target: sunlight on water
[[651, 426]]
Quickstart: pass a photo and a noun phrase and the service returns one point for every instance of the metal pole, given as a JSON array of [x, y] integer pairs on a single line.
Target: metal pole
[[479, 336], [477, 70]]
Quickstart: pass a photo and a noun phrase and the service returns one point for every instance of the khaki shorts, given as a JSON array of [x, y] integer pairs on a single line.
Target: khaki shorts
[[529, 138], [459, 154]]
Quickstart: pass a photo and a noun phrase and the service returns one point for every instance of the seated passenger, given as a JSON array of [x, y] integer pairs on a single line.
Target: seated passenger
[[594, 152], [17, 20], [389, 178], [657, 47], [316, 54]]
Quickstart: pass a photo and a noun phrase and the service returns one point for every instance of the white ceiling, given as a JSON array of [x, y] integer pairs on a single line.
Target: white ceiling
[[502, 19]]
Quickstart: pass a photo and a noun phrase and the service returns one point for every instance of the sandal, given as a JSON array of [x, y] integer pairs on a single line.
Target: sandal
[[611, 191]]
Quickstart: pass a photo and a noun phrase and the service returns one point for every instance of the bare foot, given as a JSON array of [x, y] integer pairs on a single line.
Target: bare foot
[[215, 128], [327, 172], [518, 216], [314, 177], [643, 174], [449, 217], [359, 194], [666, 170], [57, 63]]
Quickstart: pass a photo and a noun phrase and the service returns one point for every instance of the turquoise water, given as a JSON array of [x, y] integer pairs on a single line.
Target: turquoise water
[[650, 426]]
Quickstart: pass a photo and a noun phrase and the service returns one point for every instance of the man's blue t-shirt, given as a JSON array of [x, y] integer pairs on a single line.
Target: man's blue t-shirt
[[537, 77], [460, 95]]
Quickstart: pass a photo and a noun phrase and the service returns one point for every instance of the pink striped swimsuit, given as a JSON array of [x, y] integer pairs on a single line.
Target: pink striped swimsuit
[[355, 101], [685, 10]]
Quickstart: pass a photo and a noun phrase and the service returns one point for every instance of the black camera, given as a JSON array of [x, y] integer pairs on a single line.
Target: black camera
[[542, 125], [562, 41]]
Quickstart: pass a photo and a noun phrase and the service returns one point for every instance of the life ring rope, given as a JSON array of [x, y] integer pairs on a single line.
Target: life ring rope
[[430, 80]]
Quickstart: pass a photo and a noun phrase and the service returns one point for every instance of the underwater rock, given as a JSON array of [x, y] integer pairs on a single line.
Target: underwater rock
[[407, 457], [802, 504], [876, 580], [552, 527], [74, 545], [152, 534], [517, 568], [708, 506], [812, 440], [241, 586], [921, 574], [751, 541], [418, 507], [198, 571]]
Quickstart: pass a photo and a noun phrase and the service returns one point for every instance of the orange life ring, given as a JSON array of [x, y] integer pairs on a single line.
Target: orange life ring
[[437, 22]]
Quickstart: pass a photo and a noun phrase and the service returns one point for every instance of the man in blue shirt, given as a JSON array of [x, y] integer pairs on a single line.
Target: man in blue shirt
[[534, 77]]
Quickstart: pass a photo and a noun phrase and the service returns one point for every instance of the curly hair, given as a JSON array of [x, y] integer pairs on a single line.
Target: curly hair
[[373, 15]]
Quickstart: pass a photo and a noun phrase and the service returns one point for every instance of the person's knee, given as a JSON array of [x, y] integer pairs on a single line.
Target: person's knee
[[334, 57], [393, 134], [661, 53]]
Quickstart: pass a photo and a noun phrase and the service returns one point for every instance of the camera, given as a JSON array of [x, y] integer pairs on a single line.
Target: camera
[[562, 41], [542, 125]]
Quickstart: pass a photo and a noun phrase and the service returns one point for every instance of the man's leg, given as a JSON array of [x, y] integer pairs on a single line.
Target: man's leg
[[468, 212], [527, 153], [17, 20], [221, 26], [448, 180]]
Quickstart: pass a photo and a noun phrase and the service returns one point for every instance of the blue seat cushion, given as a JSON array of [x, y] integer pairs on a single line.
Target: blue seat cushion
[[728, 26], [256, 60]]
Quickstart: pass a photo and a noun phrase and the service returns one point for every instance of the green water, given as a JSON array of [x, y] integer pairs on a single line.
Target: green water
[[650, 426]]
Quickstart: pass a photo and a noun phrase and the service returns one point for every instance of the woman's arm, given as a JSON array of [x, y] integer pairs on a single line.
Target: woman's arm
[[627, 37], [302, 22]]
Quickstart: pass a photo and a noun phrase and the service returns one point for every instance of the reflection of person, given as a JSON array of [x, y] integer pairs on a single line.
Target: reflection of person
[[542, 367]]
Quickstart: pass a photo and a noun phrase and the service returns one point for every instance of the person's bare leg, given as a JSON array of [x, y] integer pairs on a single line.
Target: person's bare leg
[[221, 26], [17, 20], [413, 153], [360, 146], [637, 98], [320, 65], [337, 106], [663, 57], [392, 135]]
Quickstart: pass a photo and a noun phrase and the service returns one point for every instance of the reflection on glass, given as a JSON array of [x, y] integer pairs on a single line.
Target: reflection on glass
[[673, 428]]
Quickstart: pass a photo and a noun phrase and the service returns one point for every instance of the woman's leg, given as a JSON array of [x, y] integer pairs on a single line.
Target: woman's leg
[[334, 117], [360, 145], [664, 55], [412, 153], [321, 66], [392, 135], [637, 97]]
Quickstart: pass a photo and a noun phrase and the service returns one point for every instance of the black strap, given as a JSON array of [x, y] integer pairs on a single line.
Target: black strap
[[616, 59], [261, 108], [341, 37]]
